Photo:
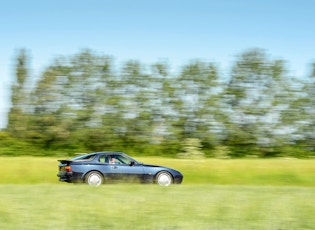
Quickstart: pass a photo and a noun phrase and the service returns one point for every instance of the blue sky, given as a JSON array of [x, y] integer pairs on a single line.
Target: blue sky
[[151, 30]]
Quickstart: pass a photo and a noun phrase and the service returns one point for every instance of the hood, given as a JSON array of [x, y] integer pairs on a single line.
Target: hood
[[153, 166], [159, 166]]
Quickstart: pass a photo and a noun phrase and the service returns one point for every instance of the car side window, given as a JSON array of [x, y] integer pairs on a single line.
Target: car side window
[[102, 159], [114, 159], [84, 157], [123, 160]]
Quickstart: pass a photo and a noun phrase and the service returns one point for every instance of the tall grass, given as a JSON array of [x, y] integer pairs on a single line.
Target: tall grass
[[48, 206]]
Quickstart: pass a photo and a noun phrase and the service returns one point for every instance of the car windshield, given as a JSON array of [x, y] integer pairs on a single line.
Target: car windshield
[[83, 157]]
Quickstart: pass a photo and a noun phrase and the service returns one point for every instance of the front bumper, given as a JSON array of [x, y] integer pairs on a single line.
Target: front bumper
[[178, 179]]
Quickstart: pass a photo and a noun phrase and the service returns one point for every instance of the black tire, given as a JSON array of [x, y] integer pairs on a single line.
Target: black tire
[[164, 178], [94, 178]]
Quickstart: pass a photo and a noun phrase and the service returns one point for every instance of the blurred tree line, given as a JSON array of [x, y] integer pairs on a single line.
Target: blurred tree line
[[84, 103]]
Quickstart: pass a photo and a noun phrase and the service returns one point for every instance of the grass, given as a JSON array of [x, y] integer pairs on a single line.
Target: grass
[[215, 194], [46, 206], [290, 172]]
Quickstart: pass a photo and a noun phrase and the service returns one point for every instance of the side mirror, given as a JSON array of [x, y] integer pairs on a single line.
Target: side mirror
[[132, 163]]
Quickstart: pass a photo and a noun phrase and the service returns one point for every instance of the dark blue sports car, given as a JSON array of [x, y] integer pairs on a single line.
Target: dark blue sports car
[[110, 167]]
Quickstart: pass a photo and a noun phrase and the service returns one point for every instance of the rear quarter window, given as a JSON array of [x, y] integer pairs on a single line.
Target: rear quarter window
[[84, 157]]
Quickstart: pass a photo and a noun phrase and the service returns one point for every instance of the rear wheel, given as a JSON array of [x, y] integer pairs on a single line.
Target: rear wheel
[[164, 178], [94, 178]]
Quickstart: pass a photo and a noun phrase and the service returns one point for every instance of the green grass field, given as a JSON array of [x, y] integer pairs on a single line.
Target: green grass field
[[215, 194]]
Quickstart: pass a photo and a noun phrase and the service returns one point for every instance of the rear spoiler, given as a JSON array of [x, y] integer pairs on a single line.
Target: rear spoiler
[[65, 161]]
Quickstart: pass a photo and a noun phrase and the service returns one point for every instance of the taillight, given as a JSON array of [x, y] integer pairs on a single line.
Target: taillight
[[68, 168]]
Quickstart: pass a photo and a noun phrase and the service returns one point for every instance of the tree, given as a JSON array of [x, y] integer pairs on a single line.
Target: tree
[[82, 103], [19, 99], [253, 94], [198, 90]]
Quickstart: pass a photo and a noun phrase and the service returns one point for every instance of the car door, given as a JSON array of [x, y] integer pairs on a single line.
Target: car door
[[124, 171], [105, 168]]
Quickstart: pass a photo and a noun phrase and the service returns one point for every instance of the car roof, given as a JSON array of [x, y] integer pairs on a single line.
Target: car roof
[[97, 153], [108, 152]]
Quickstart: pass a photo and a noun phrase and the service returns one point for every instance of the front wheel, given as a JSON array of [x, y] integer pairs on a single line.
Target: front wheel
[[94, 178], [164, 178]]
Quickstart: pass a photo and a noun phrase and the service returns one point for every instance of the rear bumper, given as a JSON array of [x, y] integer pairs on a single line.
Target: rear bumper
[[70, 177], [65, 176]]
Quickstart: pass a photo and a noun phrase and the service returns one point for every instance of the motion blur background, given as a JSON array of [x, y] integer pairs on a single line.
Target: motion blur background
[[167, 78]]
